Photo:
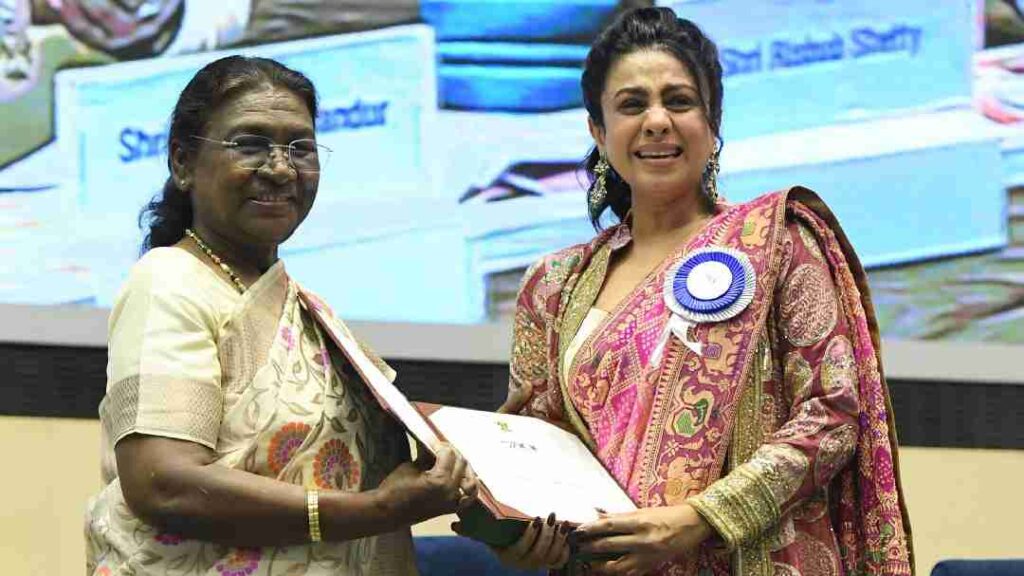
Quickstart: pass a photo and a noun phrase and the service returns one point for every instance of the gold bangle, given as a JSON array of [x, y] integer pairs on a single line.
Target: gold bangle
[[313, 510]]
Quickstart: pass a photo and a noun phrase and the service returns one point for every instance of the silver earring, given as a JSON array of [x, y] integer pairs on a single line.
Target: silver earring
[[598, 190], [709, 179]]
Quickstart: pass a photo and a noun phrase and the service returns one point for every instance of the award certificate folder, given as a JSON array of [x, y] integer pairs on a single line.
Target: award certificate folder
[[526, 467]]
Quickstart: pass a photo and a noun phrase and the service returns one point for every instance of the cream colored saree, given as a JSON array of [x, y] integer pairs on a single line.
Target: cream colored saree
[[253, 377]]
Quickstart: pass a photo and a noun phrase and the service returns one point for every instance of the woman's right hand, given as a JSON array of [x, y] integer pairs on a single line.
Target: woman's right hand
[[415, 494], [518, 396], [543, 545]]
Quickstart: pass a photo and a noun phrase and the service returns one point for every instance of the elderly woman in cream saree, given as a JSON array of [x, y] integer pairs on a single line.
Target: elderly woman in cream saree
[[257, 378], [238, 440]]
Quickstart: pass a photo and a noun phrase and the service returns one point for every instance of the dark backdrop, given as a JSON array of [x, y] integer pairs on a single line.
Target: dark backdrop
[[58, 381]]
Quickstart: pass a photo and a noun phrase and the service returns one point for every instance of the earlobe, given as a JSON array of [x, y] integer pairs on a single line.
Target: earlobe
[[179, 168], [597, 133]]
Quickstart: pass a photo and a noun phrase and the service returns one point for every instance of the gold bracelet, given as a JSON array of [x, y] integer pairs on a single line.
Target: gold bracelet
[[313, 510]]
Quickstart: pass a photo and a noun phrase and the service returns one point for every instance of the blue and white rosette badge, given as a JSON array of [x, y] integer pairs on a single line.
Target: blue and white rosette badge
[[708, 285]]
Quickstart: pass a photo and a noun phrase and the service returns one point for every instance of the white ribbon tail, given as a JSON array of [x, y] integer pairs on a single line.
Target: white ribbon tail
[[666, 333], [681, 328]]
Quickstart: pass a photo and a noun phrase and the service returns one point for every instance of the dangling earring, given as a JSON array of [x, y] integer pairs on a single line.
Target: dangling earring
[[709, 179], [598, 190]]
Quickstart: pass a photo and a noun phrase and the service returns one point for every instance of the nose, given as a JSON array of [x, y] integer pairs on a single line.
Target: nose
[[657, 121], [278, 167]]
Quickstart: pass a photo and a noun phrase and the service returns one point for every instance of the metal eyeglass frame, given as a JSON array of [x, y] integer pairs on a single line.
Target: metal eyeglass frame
[[229, 144]]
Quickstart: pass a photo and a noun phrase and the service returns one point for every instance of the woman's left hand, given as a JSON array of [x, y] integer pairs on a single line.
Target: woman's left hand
[[644, 540]]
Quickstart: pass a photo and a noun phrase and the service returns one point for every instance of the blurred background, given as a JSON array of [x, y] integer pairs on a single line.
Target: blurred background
[[457, 128]]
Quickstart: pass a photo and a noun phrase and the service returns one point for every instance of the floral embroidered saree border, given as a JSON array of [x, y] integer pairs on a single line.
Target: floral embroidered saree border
[[580, 301], [745, 228]]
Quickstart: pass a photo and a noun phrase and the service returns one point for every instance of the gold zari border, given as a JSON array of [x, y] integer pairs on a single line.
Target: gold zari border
[[740, 506]]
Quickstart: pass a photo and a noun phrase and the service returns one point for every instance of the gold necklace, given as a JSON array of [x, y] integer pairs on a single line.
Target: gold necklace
[[216, 260]]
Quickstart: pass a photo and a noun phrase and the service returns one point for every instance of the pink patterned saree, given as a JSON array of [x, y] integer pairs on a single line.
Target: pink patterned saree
[[779, 432]]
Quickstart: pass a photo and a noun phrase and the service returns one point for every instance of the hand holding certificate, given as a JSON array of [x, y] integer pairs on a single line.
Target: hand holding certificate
[[526, 467]]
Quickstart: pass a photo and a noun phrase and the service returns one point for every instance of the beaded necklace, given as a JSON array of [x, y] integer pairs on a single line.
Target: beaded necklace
[[216, 260]]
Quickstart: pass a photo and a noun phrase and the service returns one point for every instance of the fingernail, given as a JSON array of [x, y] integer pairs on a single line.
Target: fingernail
[[565, 528], [537, 522], [551, 519]]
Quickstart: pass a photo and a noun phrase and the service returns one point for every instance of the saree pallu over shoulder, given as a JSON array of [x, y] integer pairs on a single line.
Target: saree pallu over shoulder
[[247, 335], [873, 526], [694, 448], [664, 429]]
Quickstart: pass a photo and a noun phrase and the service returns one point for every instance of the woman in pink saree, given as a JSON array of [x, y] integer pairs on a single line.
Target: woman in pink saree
[[721, 360]]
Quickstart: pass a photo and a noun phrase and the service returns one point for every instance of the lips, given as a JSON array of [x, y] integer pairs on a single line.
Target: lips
[[658, 151], [273, 199]]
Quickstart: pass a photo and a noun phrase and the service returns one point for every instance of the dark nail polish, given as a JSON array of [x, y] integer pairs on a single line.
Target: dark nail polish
[[551, 519], [537, 522], [565, 528]]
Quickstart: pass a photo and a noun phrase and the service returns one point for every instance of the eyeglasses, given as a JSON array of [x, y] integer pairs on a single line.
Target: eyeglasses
[[250, 151]]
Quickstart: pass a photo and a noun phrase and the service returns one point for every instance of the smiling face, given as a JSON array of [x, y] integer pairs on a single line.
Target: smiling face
[[655, 134], [241, 206]]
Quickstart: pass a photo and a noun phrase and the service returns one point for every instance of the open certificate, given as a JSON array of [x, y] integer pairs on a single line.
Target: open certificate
[[526, 467]]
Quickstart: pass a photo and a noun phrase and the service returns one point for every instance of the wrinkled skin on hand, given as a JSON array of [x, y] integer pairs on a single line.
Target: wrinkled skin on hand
[[422, 490]]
